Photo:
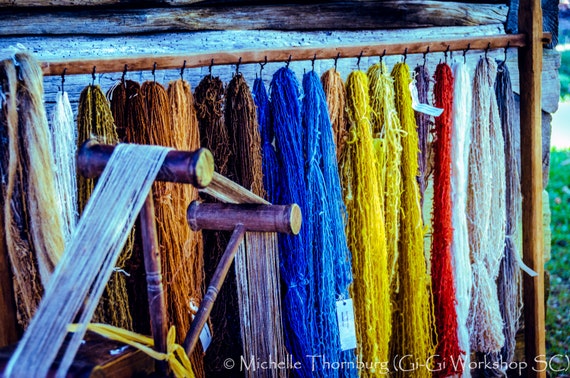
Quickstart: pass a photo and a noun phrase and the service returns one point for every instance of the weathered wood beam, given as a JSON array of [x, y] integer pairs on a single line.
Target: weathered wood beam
[[94, 3], [530, 63], [324, 16], [152, 62]]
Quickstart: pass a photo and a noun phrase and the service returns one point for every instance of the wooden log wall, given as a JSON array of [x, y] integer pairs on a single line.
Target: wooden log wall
[[83, 28]]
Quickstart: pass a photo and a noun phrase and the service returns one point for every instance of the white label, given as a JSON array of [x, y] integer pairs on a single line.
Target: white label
[[205, 337], [422, 108], [346, 327]]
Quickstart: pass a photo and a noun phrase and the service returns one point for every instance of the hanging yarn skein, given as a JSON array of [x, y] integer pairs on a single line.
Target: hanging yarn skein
[[443, 283], [225, 320], [33, 226], [80, 277], [424, 124], [509, 279], [95, 120], [365, 229], [460, 145], [413, 315], [331, 257], [269, 160], [129, 111], [387, 133], [63, 138], [335, 93], [257, 263], [181, 270], [486, 211], [294, 251]]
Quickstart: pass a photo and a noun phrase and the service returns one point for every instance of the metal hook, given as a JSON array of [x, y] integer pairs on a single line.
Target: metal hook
[[182, 70], [465, 53], [405, 54], [63, 78], [446, 52], [336, 61], [93, 76], [210, 66], [425, 56], [237, 65], [262, 66], [313, 61], [154, 72], [487, 49], [288, 61], [506, 48], [124, 73], [383, 55], [359, 57]]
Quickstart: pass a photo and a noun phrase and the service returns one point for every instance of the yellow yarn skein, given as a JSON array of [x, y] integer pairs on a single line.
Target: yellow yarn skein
[[414, 311], [365, 230]]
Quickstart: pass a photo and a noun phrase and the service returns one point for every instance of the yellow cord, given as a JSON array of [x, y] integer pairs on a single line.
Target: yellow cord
[[175, 354]]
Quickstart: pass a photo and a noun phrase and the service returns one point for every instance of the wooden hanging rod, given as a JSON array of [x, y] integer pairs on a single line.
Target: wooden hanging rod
[[162, 62]]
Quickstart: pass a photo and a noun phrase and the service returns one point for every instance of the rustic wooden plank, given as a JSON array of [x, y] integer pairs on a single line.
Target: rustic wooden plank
[[550, 80], [140, 4], [323, 16], [530, 63], [151, 62]]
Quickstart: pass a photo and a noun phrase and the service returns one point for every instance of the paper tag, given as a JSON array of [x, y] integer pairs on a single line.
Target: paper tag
[[205, 337], [346, 327], [422, 108]]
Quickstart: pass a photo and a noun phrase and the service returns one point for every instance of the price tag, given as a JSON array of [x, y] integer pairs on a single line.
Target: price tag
[[205, 337], [346, 327]]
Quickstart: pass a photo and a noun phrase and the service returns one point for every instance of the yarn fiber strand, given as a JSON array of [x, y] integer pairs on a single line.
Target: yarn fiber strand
[[335, 93], [331, 258], [225, 319], [424, 124], [95, 120], [257, 261], [387, 133], [365, 229], [443, 283], [413, 314], [486, 211], [509, 280], [294, 251], [63, 138], [460, 145], [33, 225]]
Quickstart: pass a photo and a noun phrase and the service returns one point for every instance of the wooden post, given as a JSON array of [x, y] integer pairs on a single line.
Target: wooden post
[[215, 284], [530, 68], [156, 302]]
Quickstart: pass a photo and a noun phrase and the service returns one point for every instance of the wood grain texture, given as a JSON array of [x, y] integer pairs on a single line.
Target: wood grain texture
[[323, 16], [530, 66], [150, 62], [118, 3]]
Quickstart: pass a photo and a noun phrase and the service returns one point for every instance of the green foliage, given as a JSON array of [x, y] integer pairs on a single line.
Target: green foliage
[[558, 314]]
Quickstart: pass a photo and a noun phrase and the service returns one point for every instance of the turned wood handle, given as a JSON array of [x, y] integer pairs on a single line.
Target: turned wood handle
[[190, 167], [255, 218]]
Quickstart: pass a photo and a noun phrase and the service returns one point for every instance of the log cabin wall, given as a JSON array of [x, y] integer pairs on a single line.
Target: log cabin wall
[[60, 29]]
